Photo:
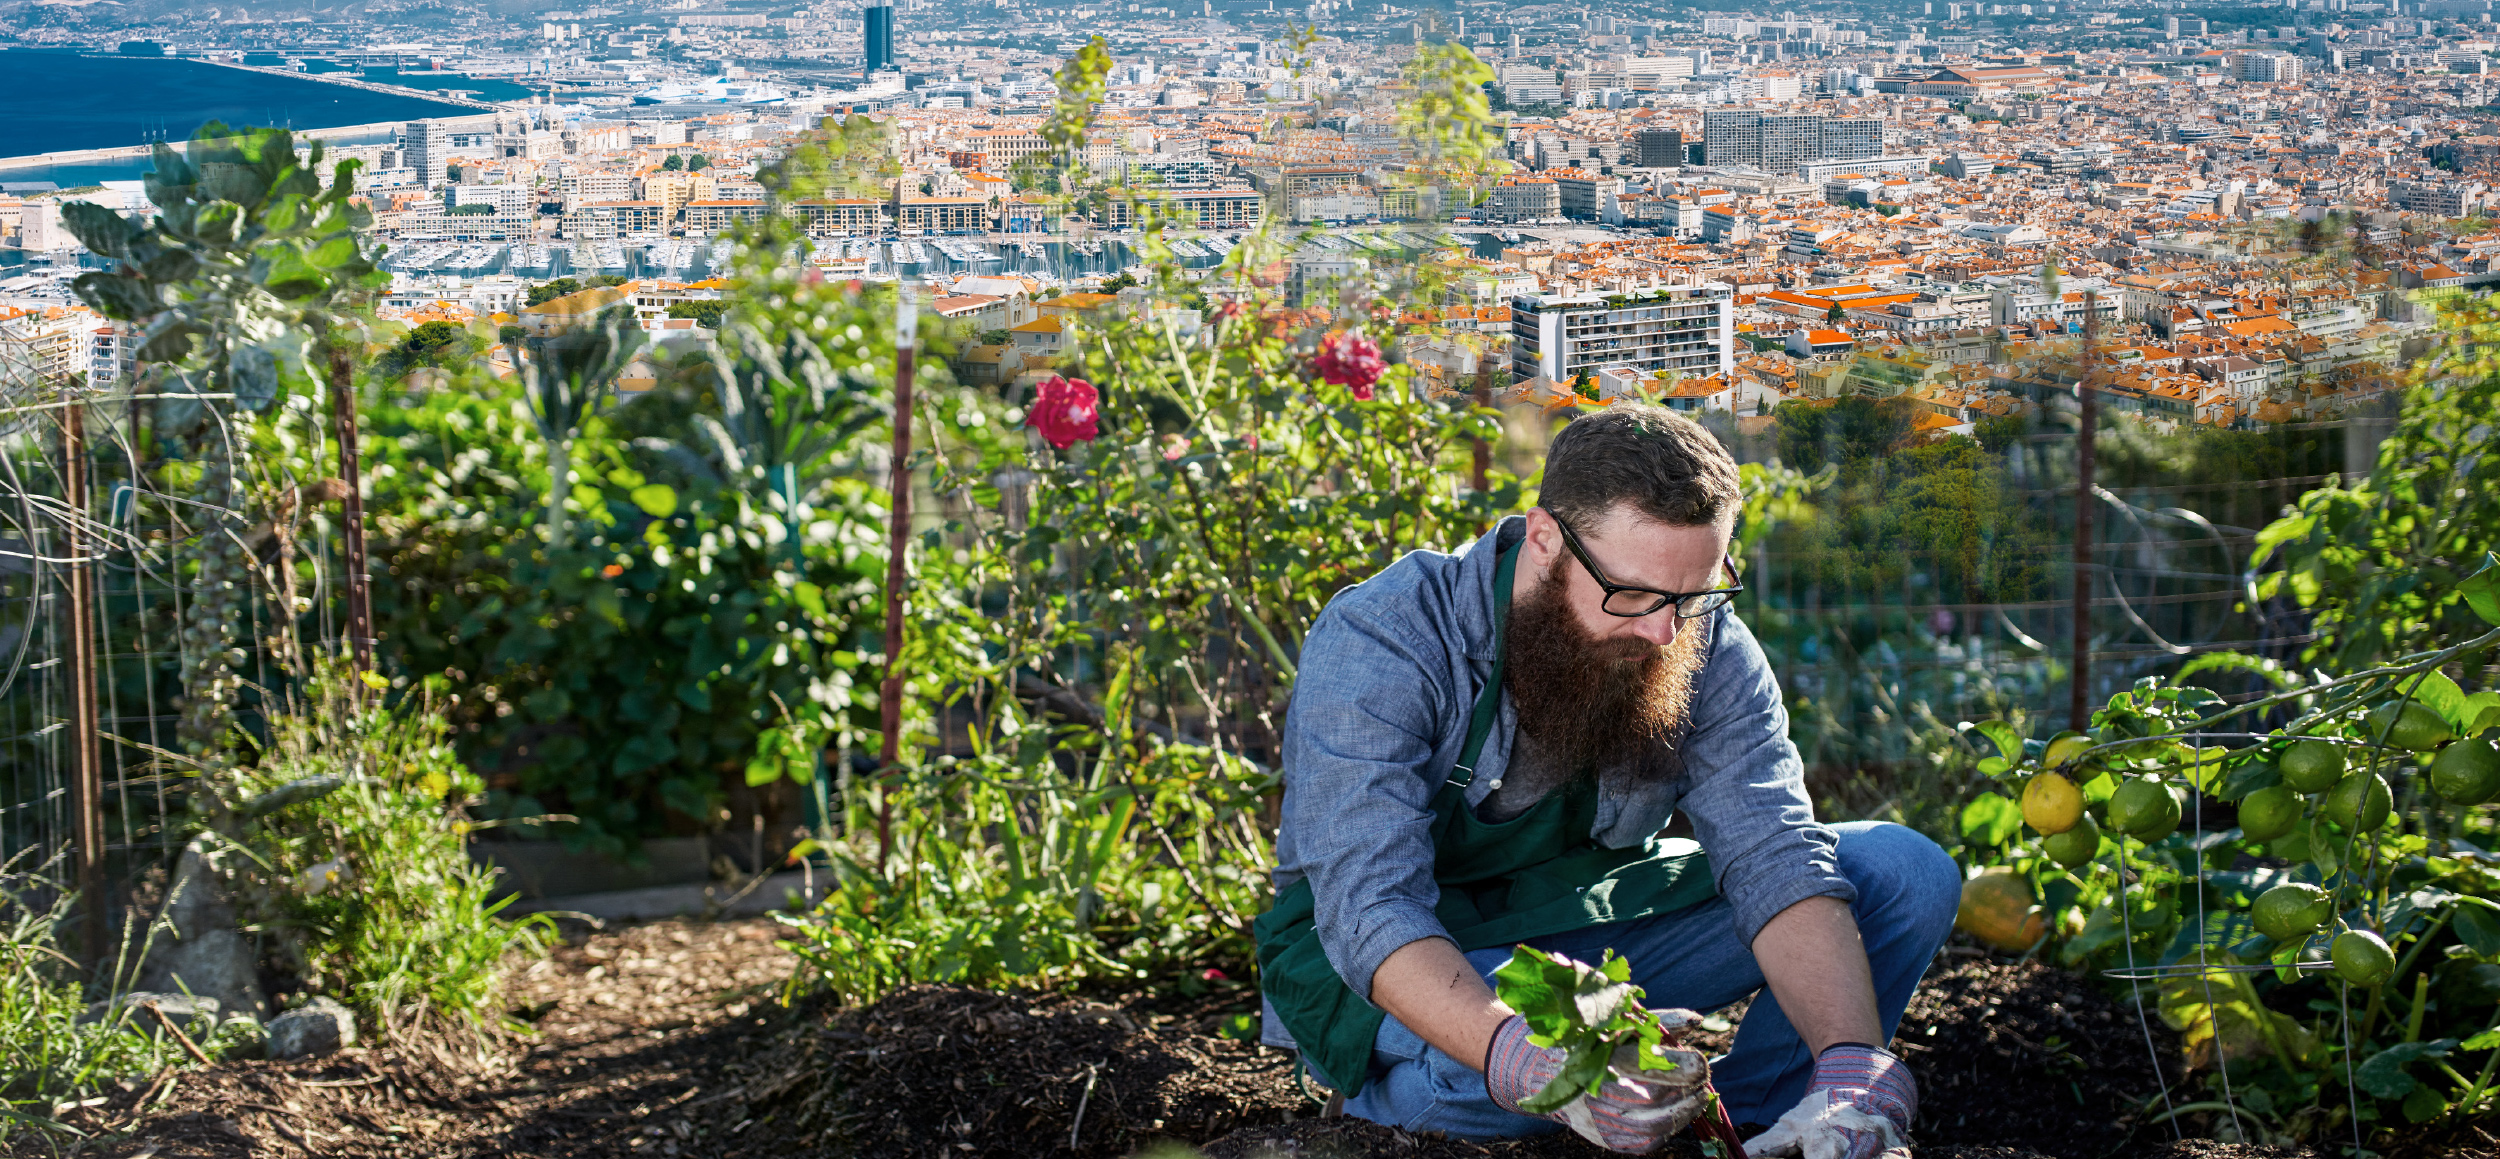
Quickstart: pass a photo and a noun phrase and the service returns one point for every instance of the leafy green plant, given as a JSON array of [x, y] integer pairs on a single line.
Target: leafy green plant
[[2380, 564], [354, 866], [249, 267], [49, 1052], [1587, 1011], [2378, 907]]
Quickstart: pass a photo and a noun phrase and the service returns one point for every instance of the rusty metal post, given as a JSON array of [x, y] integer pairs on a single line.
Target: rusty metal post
[[898, 519], [86, 779], [1483, 451], [352, 511], [2079, 699]]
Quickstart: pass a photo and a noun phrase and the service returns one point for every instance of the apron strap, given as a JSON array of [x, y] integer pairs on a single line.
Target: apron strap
[[1489, 701]]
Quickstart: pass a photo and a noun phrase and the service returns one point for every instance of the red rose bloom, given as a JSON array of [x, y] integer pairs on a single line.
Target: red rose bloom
[[1350, 360], [1065, 410]]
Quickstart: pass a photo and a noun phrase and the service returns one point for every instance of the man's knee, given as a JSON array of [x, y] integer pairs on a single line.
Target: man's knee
[[1896, 868]]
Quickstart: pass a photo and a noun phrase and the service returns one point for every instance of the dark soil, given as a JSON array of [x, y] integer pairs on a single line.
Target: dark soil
[[947, 1071], [664, 1041], [2030, 1057]]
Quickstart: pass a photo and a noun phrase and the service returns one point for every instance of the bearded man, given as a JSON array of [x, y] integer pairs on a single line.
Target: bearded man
[[1483, 750]]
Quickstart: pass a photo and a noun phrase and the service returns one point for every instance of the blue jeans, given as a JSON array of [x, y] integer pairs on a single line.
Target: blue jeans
[[1908, 890]]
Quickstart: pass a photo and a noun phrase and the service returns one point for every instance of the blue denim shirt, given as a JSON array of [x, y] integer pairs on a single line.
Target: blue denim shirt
[[1380, 707]]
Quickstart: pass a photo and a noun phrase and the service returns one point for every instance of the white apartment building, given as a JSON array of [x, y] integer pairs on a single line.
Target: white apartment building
[[1687, 329]]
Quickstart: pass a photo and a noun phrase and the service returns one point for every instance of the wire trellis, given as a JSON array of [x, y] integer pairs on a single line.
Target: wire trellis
[[121, 525]]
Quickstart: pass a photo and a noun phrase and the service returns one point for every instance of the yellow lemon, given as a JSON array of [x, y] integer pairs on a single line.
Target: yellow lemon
[[2052, 804]]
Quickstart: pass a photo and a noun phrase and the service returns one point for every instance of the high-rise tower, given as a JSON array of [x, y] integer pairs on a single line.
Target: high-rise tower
[[879, 25]]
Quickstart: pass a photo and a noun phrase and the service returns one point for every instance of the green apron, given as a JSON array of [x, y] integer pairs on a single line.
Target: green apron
[[1537, 874]]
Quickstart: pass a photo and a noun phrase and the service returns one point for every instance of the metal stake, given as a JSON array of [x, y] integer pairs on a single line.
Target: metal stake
[[352, 512], [1483, 451], [2079, 707], [898, 484], [86, 780]]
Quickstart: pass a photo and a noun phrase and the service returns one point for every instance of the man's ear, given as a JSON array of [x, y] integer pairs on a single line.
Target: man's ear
[[1543, 543]]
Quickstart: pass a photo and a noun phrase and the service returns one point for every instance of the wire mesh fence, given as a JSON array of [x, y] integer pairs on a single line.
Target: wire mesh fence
[[100, 564]]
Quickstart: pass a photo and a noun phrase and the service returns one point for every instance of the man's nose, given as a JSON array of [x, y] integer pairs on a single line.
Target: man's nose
[[1657, 627]]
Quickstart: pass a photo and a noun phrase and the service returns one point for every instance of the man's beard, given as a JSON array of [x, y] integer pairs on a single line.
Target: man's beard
[[1590, 703]]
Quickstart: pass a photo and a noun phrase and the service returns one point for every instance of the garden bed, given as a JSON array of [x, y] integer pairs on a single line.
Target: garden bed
[[660, 1040]]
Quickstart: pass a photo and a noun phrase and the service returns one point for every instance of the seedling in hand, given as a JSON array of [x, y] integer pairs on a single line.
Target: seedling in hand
[[1588, 1011]]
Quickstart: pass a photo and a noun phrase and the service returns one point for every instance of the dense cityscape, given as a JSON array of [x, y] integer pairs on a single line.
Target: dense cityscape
[[2255, 209]]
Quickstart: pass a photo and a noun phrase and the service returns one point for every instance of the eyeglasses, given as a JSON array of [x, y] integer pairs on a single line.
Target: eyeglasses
[[1632, 602]]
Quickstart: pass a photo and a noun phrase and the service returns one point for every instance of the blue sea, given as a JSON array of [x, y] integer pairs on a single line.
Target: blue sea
[[61, 101]]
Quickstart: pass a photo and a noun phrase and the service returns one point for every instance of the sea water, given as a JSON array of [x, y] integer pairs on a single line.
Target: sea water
[[62, 101]]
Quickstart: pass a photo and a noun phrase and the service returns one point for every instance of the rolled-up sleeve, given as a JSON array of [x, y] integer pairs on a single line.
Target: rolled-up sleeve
[[1358, 752], [1744, 788]]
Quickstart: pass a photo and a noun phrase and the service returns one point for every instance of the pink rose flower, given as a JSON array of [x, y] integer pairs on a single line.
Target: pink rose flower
[[1066, 411], [1350, 360]]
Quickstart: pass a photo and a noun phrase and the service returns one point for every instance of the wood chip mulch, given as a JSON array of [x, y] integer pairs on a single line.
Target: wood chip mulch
[[633, 1027]]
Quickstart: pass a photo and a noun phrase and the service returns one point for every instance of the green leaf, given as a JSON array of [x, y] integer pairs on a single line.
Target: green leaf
[[2482, 712], [115, 296], [2424, 1105], [2009, 744], [1991, 819], [2384, 1074], [2482, 589], [657, 500], [2435, 691], [335, 253], [97, 228], [2478, 927], [2487, 1040]]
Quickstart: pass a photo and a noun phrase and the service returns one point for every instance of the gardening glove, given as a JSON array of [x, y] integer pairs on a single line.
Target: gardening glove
[[1858, 1107], [1636, 1111]]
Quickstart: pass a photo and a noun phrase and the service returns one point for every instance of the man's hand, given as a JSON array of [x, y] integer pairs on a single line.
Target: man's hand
[[1858, 1107], [1636, 1111]]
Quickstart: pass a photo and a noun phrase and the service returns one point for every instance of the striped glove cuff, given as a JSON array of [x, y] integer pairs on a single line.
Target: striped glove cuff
[[1871, 1078]]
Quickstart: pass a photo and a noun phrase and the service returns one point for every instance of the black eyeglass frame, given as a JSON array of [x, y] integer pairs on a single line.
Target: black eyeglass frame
[[1665, 599]]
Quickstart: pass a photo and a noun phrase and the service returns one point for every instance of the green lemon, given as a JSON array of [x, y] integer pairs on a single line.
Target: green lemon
[[2312, 766], [2064, 748], [2269, 813], [2291, 912], [2076, 846], [2144, 809], [2362, 957], [2362, 797], [2467, 772], [2052, 804], [2416, 728]]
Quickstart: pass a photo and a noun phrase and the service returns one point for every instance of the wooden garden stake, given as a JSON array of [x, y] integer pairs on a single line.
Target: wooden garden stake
[[890, 694]]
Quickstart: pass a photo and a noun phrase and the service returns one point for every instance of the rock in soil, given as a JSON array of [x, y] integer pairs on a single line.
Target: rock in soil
[[195, 1014], [321, 1026]]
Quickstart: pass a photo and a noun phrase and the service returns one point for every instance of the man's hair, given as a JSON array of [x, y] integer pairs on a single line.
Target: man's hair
[[1665, 465]]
